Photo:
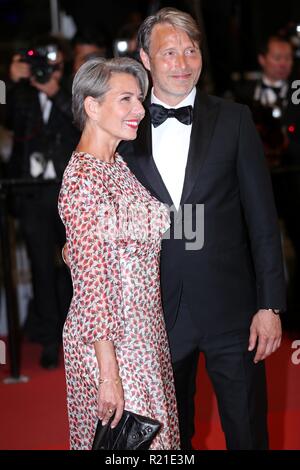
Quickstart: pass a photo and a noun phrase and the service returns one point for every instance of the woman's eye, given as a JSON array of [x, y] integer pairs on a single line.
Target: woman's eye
[[126, 98]]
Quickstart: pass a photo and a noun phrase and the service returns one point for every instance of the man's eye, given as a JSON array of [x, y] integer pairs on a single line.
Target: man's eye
[[169, 53], [126, 98]]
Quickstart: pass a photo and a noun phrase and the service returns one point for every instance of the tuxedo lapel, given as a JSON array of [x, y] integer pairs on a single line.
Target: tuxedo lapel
[[144, 158], [204, 118]]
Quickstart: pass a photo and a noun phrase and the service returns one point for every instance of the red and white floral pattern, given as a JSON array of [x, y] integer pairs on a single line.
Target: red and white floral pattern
[[114, 229]]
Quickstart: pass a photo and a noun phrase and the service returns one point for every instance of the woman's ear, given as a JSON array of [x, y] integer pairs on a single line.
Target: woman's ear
[[91, 107]]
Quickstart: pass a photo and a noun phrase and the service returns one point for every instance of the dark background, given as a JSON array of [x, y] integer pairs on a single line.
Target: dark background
[[234, 28]]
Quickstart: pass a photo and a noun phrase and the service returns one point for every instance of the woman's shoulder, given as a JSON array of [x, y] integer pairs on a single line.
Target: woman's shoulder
[[81, 175], [82, 167]]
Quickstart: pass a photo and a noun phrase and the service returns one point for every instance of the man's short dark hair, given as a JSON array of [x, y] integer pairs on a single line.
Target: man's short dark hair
[[48, 39], [89, 37], [178, 19], [264, 47]]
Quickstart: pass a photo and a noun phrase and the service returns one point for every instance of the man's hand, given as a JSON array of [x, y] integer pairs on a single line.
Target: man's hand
[[266, 328], [18, 69], [64, 255]]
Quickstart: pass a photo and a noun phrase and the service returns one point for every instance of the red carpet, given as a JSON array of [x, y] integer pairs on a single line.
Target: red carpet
[[33, 415]]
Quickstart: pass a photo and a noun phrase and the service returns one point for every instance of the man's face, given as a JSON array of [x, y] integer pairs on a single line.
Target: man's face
[[278, 61], [82, 51], [174, 61]]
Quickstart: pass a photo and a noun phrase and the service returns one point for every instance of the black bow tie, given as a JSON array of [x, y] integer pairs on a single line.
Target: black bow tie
[[159, 114]]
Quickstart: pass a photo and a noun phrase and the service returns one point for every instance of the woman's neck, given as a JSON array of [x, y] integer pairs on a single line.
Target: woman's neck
[[98, 144]]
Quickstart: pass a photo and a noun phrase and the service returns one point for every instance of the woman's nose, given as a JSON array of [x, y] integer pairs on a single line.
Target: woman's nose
[[139, 108]]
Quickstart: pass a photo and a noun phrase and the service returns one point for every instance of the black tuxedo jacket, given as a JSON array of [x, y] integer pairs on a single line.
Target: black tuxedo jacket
[[239, 268], [56, 139]]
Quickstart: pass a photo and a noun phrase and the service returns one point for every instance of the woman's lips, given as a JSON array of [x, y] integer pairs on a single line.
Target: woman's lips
[[132, 123]]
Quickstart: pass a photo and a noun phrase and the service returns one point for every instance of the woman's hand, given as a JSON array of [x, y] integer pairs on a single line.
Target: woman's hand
[[110, 400], [110, 395]]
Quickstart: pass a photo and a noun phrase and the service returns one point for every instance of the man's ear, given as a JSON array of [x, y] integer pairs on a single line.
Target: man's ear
[[261, 60], [145, 59], [91, 107]]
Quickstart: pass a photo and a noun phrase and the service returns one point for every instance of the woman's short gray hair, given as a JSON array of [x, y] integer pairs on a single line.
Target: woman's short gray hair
[[92, 79], [172, 16]]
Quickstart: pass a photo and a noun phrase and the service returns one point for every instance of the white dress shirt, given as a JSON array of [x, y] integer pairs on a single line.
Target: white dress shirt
[[170, 147], [46, 106], [268, 97], [37, 163]]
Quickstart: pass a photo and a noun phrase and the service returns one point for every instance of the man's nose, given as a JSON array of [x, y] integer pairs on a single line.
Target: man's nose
[[181, 61], [284, 62]]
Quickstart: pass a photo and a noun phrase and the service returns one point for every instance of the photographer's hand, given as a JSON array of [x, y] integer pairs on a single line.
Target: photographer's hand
[[18, 69]]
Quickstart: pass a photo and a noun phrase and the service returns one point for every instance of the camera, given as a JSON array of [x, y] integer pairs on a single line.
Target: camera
[[40, 59]]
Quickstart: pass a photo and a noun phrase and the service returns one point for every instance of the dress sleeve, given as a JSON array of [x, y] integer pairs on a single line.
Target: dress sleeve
[[94, 261]]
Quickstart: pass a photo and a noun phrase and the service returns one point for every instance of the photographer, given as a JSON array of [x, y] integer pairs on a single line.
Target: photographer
[[39, 114], [278, 121]]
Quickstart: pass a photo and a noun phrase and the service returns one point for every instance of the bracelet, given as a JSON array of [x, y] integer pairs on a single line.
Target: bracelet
[[115, 381]]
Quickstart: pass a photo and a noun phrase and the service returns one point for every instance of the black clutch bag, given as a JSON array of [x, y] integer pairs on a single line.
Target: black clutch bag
[[133, 432]]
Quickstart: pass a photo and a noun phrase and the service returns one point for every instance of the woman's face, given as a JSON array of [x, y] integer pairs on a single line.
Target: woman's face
[[121, 111]]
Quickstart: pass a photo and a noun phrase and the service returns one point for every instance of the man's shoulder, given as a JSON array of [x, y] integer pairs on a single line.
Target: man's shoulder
[[224, 104], [228, 110]]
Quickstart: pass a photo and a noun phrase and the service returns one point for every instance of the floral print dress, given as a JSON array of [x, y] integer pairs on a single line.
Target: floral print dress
[[114, 229]]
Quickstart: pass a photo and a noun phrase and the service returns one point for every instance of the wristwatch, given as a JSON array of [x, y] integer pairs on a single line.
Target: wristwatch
[[275, 311]]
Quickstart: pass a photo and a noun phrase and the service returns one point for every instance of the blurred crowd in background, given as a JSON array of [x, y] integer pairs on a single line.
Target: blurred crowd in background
[[251, 53]]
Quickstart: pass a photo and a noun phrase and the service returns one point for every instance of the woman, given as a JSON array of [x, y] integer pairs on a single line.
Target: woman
[[115, 343]]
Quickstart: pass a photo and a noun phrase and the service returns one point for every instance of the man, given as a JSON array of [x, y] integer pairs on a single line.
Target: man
[[277, 119], [87, 44], [276, 60], [39, 113], [270, 100], [224, 298]]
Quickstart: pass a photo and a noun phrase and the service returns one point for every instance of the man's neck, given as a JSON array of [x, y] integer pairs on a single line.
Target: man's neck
[[169, 102], [272, 82]]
